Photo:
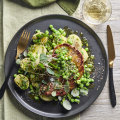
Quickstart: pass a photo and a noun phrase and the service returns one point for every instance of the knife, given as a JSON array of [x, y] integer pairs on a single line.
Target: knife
[[111, 57]]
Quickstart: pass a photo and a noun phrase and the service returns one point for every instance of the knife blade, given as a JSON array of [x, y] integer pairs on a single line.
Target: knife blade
[[111, 57]]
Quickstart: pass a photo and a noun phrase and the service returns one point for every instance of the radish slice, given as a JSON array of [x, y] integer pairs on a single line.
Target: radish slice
[[75, 92], [67, 105], [18, 61], [59, 98], [53, 93], [84, 92]]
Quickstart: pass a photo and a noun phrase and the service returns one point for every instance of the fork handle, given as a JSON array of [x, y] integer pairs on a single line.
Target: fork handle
[[4, 86], [17, 55], [111, 88]]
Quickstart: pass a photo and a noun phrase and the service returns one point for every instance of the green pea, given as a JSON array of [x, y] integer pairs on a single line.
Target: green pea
[[91, 80], [51, 36], [87, 44], [63, 62], [88, 76], [57, 32], [64, 34], [68, 74], [65, 77], [73, 71], [81, 34], [72, 100], [58, 68], [85, 66], [69, 57], [31, 87], [78, 96], [60, 42], [53, 44], [61, 30], [69, 96], [57, 51], [85, 88], [83, 79], [84, 75], [36, 98], [63, 52], [46, 32], [86, 49], [15, 75], [63, 65], [78, 74], [74, 77], [78, 81], [53, 29], [92, 56], [19, 71], [32, 76], [69, 41], [38, 36], [63, 74], [66, 58], [62, 57], [51, 26], [37, 31], [77, 100], [88, 69], [81, 85], [87, 84], [90, 65], [58, 61]]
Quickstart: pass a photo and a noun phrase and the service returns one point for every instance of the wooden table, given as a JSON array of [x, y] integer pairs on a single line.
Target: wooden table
[[101, 109]]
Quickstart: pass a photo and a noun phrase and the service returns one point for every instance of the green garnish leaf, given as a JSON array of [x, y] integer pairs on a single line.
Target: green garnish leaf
[[50, 71], [44, 82], [66, 87], [41, 65], [43, 57], [57, 75]]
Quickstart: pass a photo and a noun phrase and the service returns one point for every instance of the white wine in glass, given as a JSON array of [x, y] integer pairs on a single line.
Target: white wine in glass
[[97, 11]]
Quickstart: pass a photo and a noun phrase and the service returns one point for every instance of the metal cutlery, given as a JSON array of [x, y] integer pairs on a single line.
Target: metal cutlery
[[111, 57], [22, 44]]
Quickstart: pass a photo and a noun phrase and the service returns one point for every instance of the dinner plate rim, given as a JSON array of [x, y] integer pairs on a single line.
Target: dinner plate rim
[[51, 115]]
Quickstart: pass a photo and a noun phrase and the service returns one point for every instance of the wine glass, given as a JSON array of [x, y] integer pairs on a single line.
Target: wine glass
[[96, 11]]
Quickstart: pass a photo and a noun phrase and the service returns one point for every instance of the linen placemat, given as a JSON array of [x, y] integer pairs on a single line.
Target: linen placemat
[[1, 61], [14, 17]]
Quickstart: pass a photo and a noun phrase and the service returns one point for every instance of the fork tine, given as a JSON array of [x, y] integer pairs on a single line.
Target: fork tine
[[26, 37], [25, 34], [23, 42], [22, 36]]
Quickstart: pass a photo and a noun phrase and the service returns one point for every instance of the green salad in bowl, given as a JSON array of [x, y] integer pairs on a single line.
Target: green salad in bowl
[[56, 67]]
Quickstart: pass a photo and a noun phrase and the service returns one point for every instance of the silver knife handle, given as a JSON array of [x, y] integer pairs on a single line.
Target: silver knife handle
[[111, 88]]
